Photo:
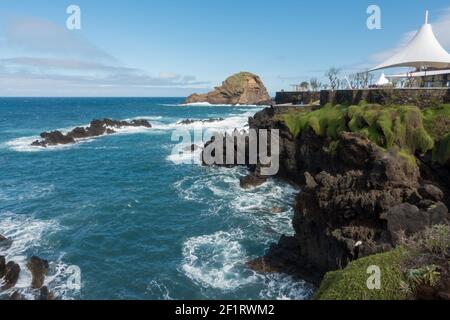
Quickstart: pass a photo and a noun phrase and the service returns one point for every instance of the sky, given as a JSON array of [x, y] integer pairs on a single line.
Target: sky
[[177, 47]]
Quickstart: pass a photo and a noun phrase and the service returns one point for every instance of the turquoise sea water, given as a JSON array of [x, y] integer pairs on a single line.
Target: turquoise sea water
[[138, 225]]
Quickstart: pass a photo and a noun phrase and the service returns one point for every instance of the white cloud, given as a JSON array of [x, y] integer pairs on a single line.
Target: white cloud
[[39, 56], [168, 75], [43, 37]]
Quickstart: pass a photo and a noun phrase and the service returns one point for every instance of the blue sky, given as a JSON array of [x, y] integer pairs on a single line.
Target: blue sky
[[176, 47]]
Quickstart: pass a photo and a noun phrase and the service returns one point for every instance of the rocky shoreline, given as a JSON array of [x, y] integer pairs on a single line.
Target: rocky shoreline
[[95, 129], [10, 272], [357, 196]]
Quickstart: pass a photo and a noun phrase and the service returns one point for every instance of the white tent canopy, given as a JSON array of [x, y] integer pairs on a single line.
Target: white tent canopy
[[382, 81], [424, 51]]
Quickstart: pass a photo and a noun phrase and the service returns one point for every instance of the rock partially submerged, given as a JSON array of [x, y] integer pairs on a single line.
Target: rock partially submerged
[[242, 88], [189, 121], [39, 269], [9, 275], [2, 266], [252, 181], [12, 272], [95, 129], [5, 243]]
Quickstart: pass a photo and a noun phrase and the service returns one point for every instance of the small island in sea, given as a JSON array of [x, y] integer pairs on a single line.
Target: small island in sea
[[243, 88], [109, 194]]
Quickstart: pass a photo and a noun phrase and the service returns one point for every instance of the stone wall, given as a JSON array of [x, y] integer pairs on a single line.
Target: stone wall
[[421, 98], [297, 98]]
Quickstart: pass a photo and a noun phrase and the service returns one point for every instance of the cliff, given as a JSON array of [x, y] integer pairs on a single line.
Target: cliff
[[368, 173], [242, 88]]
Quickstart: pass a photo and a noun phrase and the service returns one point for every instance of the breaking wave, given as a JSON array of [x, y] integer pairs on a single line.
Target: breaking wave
[[216, 261], [29, 237]]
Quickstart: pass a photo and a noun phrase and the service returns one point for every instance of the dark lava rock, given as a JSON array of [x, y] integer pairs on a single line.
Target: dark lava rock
[[410, 219], [12, 272], [5, 243], [353, 204], [189, 121], [39, 269], [95, 129], [2, 266], [45, 294], [431, 192], [276, 210], [52, 139], [252, 181]]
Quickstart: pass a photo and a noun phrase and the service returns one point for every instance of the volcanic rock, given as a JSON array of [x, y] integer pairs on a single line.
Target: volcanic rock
[[12, 272], [39, 269], [252, 181], [95, 129], [2, 266], [5, 243], [189, 121], [241, 88]]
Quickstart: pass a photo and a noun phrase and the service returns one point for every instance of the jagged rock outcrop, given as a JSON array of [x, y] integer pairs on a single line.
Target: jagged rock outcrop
[[241, 88], [12, 272], [355, 201], [5, 243], [2, 266], [39, 269], [189, 121], [252, 181], [356, 198], [95, 129]]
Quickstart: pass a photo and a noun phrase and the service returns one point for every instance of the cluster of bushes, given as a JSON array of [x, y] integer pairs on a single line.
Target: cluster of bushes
[[406, 127]]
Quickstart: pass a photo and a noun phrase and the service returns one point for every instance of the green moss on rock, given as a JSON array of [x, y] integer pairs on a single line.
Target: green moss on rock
[[441, 153], [387, 126], [351, 282]]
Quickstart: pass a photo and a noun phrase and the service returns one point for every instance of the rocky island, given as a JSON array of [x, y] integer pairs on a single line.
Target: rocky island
[[95, 129], [243, 88]]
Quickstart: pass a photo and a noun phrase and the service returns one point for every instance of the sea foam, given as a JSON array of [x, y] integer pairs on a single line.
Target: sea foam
[[28, 236]]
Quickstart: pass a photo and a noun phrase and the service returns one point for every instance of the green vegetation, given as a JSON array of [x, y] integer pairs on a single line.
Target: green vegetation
[[405, 127], [238, 81], [441, 153], [420, 261], [351, 283], [437, 121]]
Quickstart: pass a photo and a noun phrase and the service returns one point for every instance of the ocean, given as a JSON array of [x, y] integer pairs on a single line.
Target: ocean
[[119, 208]]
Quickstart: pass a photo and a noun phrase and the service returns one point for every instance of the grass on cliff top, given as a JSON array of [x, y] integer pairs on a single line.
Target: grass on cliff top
[[406, 127], [420, 260], [437, 121], [238, 81], [351, 283]]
